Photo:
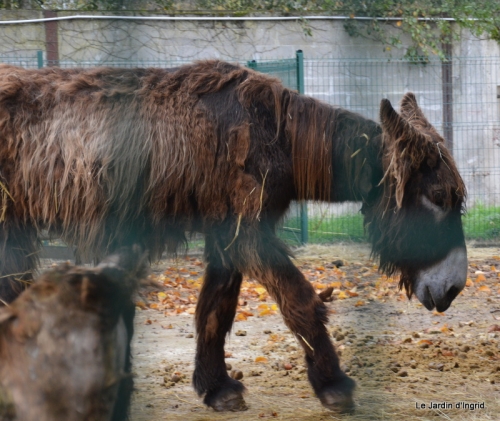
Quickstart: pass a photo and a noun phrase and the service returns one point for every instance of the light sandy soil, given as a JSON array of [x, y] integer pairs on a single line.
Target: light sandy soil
[[400, 354]]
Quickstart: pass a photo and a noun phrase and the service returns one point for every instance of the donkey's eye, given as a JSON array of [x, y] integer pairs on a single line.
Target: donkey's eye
[[438, 198]]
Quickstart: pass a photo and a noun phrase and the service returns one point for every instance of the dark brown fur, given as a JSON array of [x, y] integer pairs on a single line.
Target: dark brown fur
[[107, 157], [62, 356]]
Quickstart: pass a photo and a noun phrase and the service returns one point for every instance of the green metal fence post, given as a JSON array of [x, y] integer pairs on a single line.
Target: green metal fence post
[[304, 230], [39, 56]]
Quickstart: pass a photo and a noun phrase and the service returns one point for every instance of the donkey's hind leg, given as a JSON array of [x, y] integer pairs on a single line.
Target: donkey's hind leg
[[19, 246], [306, 315], [215, 313]]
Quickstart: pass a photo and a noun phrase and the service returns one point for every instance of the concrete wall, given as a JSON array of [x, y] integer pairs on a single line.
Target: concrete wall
[[21, 40], [105, 40]]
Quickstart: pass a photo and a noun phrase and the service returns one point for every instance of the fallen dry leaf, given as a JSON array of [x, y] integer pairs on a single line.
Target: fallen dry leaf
[[240, 317], [480, 278], [266, 312], [444, 328], [141, 305]]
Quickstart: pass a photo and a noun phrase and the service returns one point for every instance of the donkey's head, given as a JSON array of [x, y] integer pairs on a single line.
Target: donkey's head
[[415, 222]]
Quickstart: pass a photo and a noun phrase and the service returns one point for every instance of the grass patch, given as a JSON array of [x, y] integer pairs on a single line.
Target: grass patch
[[480, 223], [347, 227]]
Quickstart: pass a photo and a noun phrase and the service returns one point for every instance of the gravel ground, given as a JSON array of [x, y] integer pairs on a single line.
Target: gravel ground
[[402, 356]]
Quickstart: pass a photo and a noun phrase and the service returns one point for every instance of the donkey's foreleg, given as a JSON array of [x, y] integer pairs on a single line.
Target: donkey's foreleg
[[215, 313], [19, 246], [306, 315]]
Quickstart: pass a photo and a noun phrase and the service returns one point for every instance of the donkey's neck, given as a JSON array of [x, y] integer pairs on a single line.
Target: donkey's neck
[[356, 166], [335, 152]]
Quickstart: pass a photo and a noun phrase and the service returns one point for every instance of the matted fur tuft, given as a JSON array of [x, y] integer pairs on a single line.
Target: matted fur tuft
[[310, 126], [409, 142]]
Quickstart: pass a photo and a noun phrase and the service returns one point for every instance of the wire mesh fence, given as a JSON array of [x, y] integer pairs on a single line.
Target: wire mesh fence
[[461, 98], [26, 59]]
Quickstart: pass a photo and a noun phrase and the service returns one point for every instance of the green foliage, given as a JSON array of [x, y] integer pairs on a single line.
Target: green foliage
[[89, 5], [425, 21]]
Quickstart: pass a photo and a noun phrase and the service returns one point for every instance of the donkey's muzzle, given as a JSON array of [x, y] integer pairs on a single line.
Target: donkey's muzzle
[[438, 285]]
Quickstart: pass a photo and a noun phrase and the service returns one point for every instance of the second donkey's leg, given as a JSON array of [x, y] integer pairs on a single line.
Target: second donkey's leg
[[214, 317]]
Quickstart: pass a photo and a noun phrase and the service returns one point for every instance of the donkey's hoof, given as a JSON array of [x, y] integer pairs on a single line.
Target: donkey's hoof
[[227, 398], [230, 401], [338, 396]]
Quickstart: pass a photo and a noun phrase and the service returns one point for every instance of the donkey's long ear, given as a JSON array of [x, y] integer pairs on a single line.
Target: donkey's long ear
[[393, 123], [405, 149], [411, 112]]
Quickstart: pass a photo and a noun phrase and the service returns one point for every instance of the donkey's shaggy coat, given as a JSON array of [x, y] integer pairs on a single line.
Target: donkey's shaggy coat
[[107, 157]]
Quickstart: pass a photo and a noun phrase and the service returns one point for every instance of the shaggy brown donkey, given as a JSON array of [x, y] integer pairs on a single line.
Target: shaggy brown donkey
[[65, 343], [108, 157]]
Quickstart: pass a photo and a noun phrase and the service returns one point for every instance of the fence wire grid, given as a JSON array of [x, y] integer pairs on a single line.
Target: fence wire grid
[[460, 97]]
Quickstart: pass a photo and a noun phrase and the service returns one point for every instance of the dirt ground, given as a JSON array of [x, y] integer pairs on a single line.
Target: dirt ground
[[401, 355]]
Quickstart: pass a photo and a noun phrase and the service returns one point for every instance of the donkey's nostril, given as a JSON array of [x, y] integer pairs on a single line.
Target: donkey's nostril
[[452, 293], [443, 302]]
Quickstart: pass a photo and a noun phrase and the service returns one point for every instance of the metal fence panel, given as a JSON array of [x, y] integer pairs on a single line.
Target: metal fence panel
[[28, 60]]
